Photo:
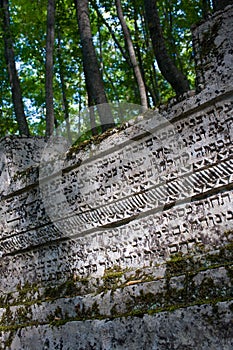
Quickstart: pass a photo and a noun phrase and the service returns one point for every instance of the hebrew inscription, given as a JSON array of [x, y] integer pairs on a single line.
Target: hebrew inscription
[[160, 186], [158, 189], [179, 162], [137, 222]]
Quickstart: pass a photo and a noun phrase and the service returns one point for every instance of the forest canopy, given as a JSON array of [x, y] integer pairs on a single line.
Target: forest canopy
[[58, 57]]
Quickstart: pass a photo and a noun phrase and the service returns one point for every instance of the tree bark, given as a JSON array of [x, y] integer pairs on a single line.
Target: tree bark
[[221, 4], [12, 71], [94, 82], [94, 129], [205, 8], [99, 14], [49, 68], [132, 55], [167, 67], [65, 102]]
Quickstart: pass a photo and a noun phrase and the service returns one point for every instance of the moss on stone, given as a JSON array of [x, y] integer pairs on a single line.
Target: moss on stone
[[67, 288], [88, 139], [180, 291], [112, 275], [7, 317]]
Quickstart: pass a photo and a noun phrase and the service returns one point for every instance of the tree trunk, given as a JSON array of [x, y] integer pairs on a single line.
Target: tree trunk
[[132, 55], [138, 51], [167, 67], [94, 82], [94, 129], [152, 86], [221, 4], [205, 8], [65, 103], [12, 72], [99, 14], [49, 68]]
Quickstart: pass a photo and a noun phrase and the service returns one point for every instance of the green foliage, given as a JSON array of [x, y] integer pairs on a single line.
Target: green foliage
[[28, 24]]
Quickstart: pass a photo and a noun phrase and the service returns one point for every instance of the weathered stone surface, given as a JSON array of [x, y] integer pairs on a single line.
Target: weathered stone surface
[[197, 327], [213, 45], [130, 205], [126, 243]]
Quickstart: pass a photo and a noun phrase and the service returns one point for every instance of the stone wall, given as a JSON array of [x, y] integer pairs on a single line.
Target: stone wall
[[126, 242], [213, 45]]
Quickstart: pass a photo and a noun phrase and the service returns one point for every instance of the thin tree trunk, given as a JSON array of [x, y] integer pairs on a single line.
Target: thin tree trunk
[[94, 82], [132, 55], [95, 6], [63, 88], [79, 114], [167, 67], [138, 51], [100, 47], [153, 80], [12, 71], [168, 13], [49, 68], [205, 8]]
